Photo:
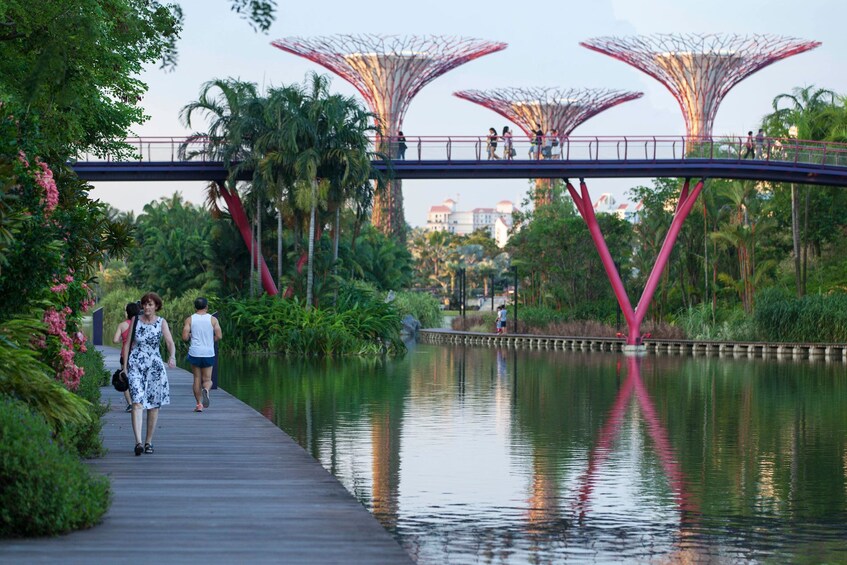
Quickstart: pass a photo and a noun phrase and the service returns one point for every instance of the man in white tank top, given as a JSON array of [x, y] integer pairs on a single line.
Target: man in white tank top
[[202, 330]]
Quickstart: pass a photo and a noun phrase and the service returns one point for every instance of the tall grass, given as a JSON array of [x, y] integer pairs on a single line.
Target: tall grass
[[274, 325], [814, 318]]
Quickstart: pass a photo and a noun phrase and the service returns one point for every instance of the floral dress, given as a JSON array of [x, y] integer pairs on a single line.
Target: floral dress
[[148, 380]]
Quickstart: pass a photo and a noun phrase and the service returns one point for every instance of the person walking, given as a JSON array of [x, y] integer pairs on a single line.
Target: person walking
[[145, 370], [760, 144], [201, 330], [748, 146], [508, 150], [122, 335], [503, 313], [535, 144], [492, 144], [497, 327], [401, 145], [547, 151]]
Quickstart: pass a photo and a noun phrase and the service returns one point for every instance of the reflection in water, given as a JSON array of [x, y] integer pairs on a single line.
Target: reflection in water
[[480, 455]]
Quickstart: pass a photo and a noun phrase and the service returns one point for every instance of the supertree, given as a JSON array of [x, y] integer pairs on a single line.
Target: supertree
[[388, 70], [699, 69], [550, 108]]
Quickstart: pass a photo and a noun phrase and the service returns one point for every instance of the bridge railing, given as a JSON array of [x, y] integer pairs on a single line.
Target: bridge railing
[[574, 148]]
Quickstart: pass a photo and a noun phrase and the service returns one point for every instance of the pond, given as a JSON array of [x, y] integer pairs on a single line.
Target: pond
[[476, 455]]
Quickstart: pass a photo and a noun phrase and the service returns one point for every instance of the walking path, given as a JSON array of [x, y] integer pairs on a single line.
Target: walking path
[[224, 486]]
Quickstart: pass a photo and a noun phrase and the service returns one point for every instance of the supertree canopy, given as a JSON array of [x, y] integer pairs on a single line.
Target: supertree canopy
[[388, 70], [699, 69], [547, 108], [550, 108]]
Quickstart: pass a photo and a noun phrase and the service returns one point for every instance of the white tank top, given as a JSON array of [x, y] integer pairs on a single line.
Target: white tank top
[[202, 336]]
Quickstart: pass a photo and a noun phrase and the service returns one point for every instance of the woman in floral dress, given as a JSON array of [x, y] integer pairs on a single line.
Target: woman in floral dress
[[148, 380]]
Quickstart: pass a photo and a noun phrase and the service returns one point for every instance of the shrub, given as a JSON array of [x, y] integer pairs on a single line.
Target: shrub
[[84, 438], [44, 489], [423, 307]]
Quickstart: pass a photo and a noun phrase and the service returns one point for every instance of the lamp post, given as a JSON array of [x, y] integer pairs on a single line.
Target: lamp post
[[795, 221]]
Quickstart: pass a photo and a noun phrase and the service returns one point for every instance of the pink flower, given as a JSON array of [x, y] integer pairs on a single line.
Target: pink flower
[[69, 278], [59, 288], [44, 179]]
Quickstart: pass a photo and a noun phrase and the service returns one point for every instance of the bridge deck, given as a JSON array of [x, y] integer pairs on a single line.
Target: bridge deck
[[223, 486], [773, 171]]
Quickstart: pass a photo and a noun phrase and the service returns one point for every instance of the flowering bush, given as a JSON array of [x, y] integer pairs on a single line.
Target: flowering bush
[[64, 338]]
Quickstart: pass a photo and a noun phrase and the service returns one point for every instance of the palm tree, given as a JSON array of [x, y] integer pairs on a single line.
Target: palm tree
[[805, 113]]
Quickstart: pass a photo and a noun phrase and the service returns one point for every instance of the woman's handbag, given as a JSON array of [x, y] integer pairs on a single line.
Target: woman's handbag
[[119, 381], [119, 378]]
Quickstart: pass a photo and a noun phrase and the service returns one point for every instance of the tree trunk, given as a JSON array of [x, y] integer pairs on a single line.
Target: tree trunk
[[795, 237], [335, 239], [806, 240], [253, 255], [258, 236], [310, 267], [278, 248]]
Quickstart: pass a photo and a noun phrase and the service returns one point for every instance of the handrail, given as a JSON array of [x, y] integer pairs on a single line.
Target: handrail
[[570, 148]]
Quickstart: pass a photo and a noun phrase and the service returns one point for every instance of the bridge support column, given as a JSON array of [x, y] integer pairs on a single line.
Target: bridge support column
[[236, 210], [634, 316]]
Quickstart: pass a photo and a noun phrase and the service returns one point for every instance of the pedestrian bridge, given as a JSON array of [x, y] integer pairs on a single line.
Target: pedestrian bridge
[[463, 157]]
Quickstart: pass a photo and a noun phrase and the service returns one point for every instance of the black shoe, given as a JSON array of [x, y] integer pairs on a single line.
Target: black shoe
[[138, 449], [148, 447]]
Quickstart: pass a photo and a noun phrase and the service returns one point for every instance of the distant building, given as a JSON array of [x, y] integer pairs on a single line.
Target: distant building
[[607, 204], [496, 221]]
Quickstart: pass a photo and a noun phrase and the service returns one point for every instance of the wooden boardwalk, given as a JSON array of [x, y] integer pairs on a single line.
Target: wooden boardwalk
[[224, 486]]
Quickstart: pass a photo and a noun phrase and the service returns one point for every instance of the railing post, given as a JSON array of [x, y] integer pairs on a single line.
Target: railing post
[[97, 327]]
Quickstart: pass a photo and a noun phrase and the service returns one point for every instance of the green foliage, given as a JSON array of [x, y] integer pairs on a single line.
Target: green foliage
[[557, 261], [813, 318], [174, 249], [425, 308], [727, 324], [68, 70], [84, 438], [44, 488], [24, 377], [362, 326]]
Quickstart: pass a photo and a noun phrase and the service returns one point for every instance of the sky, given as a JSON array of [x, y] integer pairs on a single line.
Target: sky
[[543, 50]]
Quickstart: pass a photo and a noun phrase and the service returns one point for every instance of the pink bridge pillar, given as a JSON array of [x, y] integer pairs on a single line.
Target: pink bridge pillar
[[236, 210], [634, 316]]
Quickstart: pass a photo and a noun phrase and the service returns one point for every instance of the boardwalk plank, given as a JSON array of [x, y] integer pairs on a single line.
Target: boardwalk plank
[[224, 486]]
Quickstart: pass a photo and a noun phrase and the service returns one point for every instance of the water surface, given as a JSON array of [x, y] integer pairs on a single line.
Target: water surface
[[476, 455]]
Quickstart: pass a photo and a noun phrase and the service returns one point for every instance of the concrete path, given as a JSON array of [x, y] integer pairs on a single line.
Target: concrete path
[[224, 486]]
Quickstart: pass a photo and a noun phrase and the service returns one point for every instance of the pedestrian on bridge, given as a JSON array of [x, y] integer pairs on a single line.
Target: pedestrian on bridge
[[508, 150], [492, 144], [749, 153], [201, 330], [401, 145], [145, 370]]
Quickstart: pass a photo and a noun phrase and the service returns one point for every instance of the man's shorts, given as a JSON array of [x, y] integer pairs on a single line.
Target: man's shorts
[[200, 362]]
